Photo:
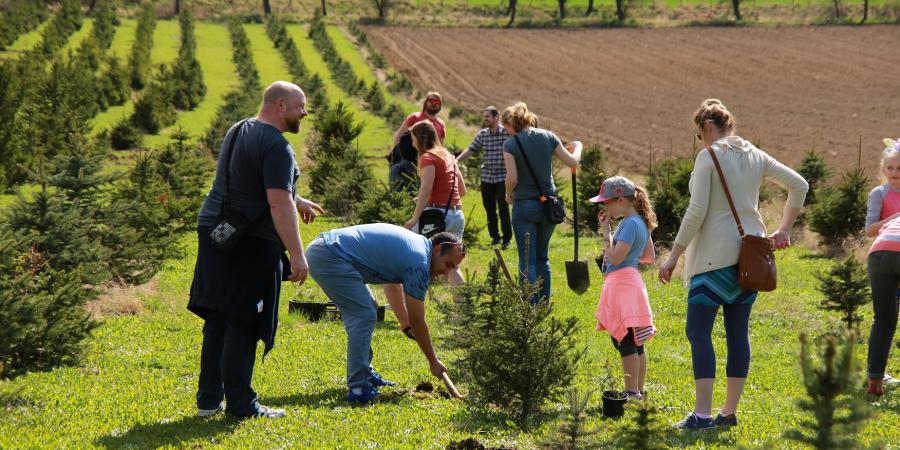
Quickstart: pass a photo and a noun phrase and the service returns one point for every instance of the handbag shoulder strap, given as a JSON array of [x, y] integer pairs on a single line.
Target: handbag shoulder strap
[[228, 155], [452, 189], [737, 219], [528, 165]]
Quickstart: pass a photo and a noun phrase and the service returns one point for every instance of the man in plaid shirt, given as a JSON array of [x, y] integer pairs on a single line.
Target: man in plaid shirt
[[493, 174]]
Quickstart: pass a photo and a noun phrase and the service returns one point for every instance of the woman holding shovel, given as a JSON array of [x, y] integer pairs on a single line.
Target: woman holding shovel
[[530, 152]]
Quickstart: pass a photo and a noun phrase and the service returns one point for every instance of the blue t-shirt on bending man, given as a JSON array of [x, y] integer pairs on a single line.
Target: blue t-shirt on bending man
[[631, 230], [385, 254]]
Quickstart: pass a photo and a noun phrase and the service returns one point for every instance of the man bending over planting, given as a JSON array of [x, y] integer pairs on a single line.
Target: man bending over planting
[[344, 260]]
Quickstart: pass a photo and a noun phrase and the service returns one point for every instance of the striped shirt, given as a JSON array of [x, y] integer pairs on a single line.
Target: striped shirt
[[492, 169]]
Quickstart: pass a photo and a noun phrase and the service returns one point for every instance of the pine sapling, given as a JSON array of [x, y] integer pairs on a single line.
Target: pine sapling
[[837, 416], [846, 288], [645, 431], [574, 433]]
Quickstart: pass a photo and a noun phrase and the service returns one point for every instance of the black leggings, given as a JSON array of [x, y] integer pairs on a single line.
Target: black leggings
[[884, 275], [627, 347], [700, 320]]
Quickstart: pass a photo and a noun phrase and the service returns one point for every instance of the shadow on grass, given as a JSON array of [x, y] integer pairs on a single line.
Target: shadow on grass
[[815, 256], [479, 420], [330, 398], [169, 434], [699, 438]]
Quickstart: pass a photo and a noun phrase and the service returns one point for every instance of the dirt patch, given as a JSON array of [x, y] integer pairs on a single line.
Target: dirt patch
[[120, 300], [472, 444], [635, 89]]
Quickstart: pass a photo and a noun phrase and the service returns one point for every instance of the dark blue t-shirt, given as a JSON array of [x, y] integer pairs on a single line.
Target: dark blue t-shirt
[[263, 159], [384, 254]]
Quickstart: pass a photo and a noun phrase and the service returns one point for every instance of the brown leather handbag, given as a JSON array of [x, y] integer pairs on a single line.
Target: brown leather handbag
[[756, 263]]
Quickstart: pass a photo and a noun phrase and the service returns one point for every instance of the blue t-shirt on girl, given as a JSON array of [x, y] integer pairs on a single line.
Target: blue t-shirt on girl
[[634, 231]]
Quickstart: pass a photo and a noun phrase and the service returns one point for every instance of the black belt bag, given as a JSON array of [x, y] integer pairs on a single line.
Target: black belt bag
[[231, 223], [434, 221]]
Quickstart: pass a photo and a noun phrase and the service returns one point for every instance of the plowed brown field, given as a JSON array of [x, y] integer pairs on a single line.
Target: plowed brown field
[[628, 88]]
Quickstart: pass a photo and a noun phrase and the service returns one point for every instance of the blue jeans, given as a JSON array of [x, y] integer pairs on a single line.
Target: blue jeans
[[528, 218], [344, 285], [226, 366]]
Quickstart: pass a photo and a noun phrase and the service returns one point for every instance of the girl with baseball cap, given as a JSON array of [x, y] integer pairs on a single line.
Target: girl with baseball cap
[[624, 306]]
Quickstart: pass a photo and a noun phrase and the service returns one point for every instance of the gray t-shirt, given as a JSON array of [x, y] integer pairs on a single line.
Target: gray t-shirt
[[539, 144], [262, 159]]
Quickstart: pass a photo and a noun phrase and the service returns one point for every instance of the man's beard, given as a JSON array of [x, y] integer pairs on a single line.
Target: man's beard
[[294, 127], [486, 123], [433, 110]]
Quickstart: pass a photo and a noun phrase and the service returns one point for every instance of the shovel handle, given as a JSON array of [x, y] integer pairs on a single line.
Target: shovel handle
[[450, 386], [575, 207]]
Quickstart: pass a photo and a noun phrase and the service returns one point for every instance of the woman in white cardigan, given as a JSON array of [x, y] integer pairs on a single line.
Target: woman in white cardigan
[[709, 237]]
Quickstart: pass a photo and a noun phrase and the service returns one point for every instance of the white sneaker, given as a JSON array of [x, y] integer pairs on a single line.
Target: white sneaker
[[210, 412], [268, 413], [889, 380]]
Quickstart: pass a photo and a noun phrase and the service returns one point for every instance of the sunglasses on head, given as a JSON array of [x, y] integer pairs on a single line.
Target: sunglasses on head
[[433, 101]]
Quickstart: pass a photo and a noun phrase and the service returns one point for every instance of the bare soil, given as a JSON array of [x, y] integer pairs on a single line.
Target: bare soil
[[636, 89]]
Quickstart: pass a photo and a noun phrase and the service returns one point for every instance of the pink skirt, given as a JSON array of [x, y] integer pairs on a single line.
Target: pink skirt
[[624, 304]]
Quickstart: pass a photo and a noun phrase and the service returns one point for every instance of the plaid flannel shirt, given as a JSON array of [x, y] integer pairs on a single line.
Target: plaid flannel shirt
[[492, 169]]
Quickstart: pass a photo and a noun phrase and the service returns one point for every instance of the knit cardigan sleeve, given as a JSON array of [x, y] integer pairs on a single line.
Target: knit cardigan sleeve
[[699, 185], [787, 178]]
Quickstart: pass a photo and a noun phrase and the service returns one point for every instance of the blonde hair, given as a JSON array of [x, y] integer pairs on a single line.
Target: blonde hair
[[712, 110], [891, 151], [518, 117], [429, 142], [643, 207]]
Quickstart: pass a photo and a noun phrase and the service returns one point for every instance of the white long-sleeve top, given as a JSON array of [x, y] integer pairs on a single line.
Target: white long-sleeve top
[[708, 229]]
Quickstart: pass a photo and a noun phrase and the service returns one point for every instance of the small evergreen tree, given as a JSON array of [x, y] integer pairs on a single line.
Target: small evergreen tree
[[126, 135], [42, 310], [669, 191], [815, 171], [645, 431], [383, 205], [846, 288], [573, 433], [114, 82], [375, 98], [188, 88], [153, 110], [592, 173], [139, 61], [494, 316], [837, 416], [840, 211]]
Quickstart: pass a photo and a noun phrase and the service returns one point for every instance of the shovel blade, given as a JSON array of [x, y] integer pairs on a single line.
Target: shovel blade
[[578, 276]]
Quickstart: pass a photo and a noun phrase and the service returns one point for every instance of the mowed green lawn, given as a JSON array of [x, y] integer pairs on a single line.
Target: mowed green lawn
[[136, 385]]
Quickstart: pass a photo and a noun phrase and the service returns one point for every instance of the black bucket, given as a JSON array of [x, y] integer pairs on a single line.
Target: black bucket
[[614, 403]]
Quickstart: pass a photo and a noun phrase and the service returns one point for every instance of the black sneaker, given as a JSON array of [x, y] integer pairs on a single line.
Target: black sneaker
[[725, 421], [505, 245], [496, 241], [692, 422]]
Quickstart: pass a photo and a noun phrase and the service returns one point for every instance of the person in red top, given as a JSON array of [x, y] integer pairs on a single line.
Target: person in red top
[[430, 109], [441, 184]]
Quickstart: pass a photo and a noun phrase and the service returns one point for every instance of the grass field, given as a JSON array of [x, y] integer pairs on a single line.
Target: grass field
[[136, 385]]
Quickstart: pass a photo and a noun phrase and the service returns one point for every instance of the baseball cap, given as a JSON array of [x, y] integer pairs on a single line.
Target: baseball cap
[[614, 187]]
